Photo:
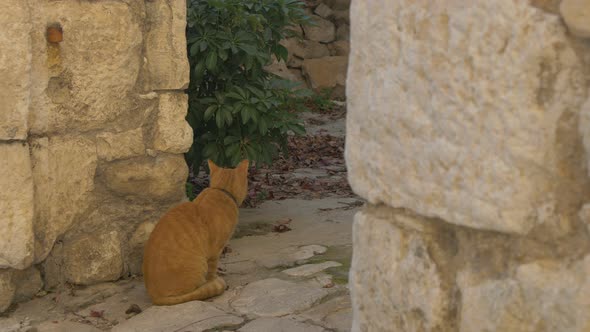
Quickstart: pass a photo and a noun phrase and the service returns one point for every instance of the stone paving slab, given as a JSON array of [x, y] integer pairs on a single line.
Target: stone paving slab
[[191, 316], [275, 297], [279, 325]]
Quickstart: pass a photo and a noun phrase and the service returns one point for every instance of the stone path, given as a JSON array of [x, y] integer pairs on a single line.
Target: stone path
[[289, 281]]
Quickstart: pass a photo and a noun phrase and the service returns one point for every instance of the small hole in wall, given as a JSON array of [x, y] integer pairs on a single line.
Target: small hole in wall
[[54, 33]]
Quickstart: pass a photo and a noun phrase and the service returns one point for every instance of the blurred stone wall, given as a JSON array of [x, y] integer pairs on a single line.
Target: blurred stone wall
[[468, 132], [92, 133], [319, 59]]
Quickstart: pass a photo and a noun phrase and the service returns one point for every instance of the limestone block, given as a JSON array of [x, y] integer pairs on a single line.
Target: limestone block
[[398, 287], [173, 134], [338, 4], [63, 171], [342, 17], [161, 178], [93, 258], [304, 49], [322, 30], [136, 246], [166, 45], [279, 324], [7, 289], [111, 146], [461, 114], [323, 11], [15, 69], [339, 47], [542, 295], [326, 72], [27, 283], [16, 206], [576, 14], [93, 71], [280, 69], [343, 32]]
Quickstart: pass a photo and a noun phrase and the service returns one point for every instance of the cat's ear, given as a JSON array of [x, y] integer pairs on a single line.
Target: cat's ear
[[243, 166], [212, 166]]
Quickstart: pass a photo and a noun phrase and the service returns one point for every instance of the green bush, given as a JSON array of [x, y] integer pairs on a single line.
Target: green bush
[[236, 109]]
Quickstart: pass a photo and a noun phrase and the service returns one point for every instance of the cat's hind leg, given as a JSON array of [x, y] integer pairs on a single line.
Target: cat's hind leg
[[212, 268]]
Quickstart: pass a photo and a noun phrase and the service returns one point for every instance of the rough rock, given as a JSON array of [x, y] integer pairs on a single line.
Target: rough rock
[[167, 60], [161, 178], [7, 289], [80, 96], [280, 69], [326, 72], [112, 146], [16, 204], [323, 11], [275, 297], [63, 326], [279, 324], [304, 49], [173, 134], [540, 296], [576, 14], [310, 269], [335, 313], [322, 30], [338, 4], [343, 32], [339, 47], [398, 287], [341, 17], [426, 129], [189, 316], [15, 70], [27, 283], [63, 172], [93, 258], [136, 246], [290, 256]]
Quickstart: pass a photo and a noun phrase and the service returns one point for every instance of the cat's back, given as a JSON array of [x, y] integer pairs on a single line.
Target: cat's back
[[178, 225]]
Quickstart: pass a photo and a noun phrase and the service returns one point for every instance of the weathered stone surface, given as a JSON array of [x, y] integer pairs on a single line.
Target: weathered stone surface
[[323, 11], [16, 204], [162, 177], [335, 313], [279, 324], [112, 146], [290, 256], [398, 287], [166, 45], [339, 47], [15, 70], [63, 172], [322, 31], [427, 129], [27, 283], [304, 49], [63, 326], [190, 316], [341, 17], [7, 289], [173, 134], [338, 4], [275, 297], [92, 72], [326, 72], [280, 69], [93, 258], [541, 296], [136, 246], [310, 269], [576, 14], [343, 32]]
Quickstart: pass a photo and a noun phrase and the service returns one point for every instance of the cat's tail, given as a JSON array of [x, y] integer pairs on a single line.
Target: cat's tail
[[209, 289]]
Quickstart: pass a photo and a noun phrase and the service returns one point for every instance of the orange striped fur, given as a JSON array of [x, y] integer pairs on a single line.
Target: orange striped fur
[[181, 255]]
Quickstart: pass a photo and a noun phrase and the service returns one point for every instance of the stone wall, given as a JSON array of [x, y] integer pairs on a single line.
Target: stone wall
[[92, 133], [468, 133], [319, 59]]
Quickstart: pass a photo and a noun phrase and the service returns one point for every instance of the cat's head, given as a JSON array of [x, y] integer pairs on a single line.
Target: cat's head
[[233, 180]]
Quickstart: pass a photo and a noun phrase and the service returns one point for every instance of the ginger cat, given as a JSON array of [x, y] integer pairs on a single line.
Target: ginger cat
[[181, 255]]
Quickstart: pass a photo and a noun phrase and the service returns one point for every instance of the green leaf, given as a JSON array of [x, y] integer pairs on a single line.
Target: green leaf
[[281, 52], [209, 112], [219, 119], [230, 139], [211, 61], [262, 126]]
